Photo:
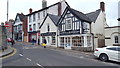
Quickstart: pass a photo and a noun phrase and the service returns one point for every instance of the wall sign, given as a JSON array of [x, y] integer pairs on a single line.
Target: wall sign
[[70, 32], [48, 34]]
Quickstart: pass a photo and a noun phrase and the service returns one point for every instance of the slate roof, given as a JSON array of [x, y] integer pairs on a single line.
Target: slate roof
[[21, 16], [80, 15], [94, 15], [54, 18], [46, 8]]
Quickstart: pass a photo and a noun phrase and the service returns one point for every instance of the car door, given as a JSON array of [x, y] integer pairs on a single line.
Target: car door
[[118, 49], [112, 53]]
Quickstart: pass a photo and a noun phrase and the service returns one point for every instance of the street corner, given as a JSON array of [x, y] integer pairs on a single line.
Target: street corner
[[8, 53]]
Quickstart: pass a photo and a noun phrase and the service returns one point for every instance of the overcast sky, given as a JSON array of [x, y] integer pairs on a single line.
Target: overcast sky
[[85, 6]]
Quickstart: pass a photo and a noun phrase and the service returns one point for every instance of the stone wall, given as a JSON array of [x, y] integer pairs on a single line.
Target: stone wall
[[3, 37]]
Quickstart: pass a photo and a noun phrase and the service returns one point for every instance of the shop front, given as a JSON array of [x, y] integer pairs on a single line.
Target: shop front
[[50, 38], [32, 35]]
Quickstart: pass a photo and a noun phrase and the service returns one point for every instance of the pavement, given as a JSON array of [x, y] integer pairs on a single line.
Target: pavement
[[6, 52]]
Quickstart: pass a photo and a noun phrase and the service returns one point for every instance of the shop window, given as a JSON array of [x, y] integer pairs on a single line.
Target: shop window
[[53, 40], [78, 41], [88, 40], [43, 38], [62, 41]]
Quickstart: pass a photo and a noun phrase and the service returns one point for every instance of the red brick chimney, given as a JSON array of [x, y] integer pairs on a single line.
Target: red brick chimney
[[30, 10], [102, 6], [59, 9]]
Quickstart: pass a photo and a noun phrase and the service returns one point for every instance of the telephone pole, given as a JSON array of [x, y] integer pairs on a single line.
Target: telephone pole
[[7, 9]]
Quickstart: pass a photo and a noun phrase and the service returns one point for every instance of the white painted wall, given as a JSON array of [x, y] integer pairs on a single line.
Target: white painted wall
[[98, 26], [111, 32], [44, 29]]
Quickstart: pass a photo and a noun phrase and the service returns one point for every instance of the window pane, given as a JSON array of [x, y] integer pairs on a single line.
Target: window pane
[[114, 49], [116, 39]]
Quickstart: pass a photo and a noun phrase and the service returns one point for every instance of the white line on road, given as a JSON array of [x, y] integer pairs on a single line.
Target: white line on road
[[20, 54], [81, 57], [28, 59], [40, 65]]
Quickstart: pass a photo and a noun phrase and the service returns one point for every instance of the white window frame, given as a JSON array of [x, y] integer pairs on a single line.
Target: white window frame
[[53, 39], [38, 16], [34, 27], [68, 24], [34, 18]]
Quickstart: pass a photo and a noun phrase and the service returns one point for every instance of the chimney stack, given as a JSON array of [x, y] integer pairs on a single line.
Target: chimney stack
[[102, 6], [44, 4], [59, 8], [30, 10]]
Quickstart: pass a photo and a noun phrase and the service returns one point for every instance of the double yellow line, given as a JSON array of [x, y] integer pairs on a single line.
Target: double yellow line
[[14, 52]]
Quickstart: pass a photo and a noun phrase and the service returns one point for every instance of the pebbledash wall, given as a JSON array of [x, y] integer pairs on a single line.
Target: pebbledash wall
[[3, 37]]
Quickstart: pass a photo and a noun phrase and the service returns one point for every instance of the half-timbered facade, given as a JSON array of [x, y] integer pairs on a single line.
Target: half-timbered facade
[[20, 30], [74, 29]]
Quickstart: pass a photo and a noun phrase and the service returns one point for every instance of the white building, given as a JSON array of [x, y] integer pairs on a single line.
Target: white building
[[49, 31], [36, 18], [76, 29], [98, 18], [112, 36]]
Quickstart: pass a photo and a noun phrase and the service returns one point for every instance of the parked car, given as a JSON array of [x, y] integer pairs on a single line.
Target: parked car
[[108, 53], [10, 40]]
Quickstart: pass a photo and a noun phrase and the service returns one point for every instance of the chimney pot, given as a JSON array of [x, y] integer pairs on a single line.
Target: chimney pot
[[30, 10], [102, 6]]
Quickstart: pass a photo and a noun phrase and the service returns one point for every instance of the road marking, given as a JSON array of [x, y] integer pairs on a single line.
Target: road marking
[[81, 57], [10, 54], [28, 59], [20, 54], [40, 65]]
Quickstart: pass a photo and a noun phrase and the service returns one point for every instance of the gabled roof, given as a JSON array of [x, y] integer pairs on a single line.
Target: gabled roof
[[47, 8], [54, 18], [94, 15], [21, 16], [78, 14]]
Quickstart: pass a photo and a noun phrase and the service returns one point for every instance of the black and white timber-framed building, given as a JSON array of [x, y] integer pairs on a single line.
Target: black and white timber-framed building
[[74, 29]]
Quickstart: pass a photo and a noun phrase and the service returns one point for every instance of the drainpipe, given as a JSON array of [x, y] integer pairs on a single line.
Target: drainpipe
[[93, 41], [57, 37]]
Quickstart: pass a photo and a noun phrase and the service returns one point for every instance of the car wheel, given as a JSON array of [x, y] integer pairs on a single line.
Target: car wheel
[[103, 57]]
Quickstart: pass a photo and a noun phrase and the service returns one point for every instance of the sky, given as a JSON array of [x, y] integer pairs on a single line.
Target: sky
[[85, 6]]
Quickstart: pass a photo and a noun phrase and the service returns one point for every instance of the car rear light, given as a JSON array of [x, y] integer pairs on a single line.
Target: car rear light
[[96, 49]]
